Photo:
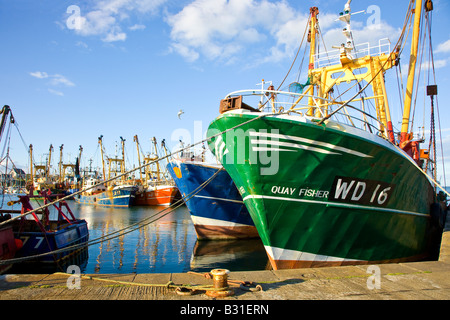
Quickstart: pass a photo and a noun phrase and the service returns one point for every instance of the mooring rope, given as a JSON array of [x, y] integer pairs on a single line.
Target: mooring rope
[[101, 239], [142, 223], [132, 170]]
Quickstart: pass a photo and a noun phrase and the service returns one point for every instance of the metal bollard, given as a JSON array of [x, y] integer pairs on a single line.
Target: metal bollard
[[220, 284]]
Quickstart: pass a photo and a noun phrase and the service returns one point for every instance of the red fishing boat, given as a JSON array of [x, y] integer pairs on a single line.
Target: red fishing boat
[[8, 245], [157, 188], [162, 195]]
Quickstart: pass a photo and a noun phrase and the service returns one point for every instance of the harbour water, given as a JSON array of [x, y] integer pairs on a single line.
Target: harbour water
[[167, 245]]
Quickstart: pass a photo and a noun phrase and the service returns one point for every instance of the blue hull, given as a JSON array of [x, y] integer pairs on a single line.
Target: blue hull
[[217, 210], [123, 197], [34, 242]]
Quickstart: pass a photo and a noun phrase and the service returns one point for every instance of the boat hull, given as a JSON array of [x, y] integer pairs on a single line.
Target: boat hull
[[7, 247], [217, 210], [35, 242], [160, 196], [117, 197], [327, 195]]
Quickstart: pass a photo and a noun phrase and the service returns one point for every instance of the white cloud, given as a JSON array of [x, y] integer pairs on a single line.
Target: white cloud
[[39, 74], [218, 29], [58, 79], [95, 23], [115, 35], [82, 44], [55, 80], [55, 92], [106, 17], [189, 54], [272, 31], [440, 63], [137, 27], [443, 47]]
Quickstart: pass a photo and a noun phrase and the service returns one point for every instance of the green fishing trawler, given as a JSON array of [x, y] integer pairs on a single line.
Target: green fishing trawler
[[326, 181]]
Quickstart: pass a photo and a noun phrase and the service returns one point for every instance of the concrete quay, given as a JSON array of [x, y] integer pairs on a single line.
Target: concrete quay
[[398, 281]]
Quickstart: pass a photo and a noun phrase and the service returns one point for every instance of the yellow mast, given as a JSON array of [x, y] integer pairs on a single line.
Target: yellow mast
[[155, 157], [135, 139], [49, 161], [122, 163], [314, 11], [370, 68], [101, 151], [31, 164], [411, 74], [112, 163], [79, 155], [60, 163]]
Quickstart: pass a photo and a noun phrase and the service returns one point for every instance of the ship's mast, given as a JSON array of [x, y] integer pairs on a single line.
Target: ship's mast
[[135, 139], [314, 11], [101, 152], [122, 163], [81, 151], [328, 74], [61, 163], [31, 164], [155, 157], [4, 112], [49, 161], [404, 135]]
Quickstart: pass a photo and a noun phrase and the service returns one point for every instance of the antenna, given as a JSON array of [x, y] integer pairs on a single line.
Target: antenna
[[345, 17]]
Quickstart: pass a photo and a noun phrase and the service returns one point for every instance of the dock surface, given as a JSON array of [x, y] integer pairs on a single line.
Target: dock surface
[[399, 281]]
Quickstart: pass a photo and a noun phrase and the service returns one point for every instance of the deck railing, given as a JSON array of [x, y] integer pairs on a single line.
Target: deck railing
[[332, 57], [283, 102]]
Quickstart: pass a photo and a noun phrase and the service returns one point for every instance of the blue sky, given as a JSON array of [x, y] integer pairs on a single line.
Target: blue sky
[[74, 70]]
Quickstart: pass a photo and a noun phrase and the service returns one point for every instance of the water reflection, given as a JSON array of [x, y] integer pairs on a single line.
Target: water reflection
[[161, 246], [236, 255], [168, 245]]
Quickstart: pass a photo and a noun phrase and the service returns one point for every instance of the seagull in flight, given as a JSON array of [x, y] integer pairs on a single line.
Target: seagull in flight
[[180, 113]]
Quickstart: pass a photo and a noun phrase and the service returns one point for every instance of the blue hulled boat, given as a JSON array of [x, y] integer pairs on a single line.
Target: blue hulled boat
[[217, 210], [112, 196], [117, 193], [46, 233]]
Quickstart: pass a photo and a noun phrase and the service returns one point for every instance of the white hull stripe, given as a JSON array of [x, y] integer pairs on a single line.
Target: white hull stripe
[[220, 199], [215, 222], [293, 145], [115, 197], [304, 140], [294, 255], [338, 204], [270, 149]]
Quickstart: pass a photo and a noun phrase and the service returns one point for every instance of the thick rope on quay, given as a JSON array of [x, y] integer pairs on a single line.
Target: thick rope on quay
[[219, 288]]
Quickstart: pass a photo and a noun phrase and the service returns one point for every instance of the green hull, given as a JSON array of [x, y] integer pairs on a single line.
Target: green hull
[[326, 195]]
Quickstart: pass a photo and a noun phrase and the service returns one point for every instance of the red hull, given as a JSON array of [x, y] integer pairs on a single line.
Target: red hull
[[209, 232], [164, 196], [7, 247]]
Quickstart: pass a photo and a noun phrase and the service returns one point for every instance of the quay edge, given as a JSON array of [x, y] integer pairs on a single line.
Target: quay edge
[[428, 280]]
